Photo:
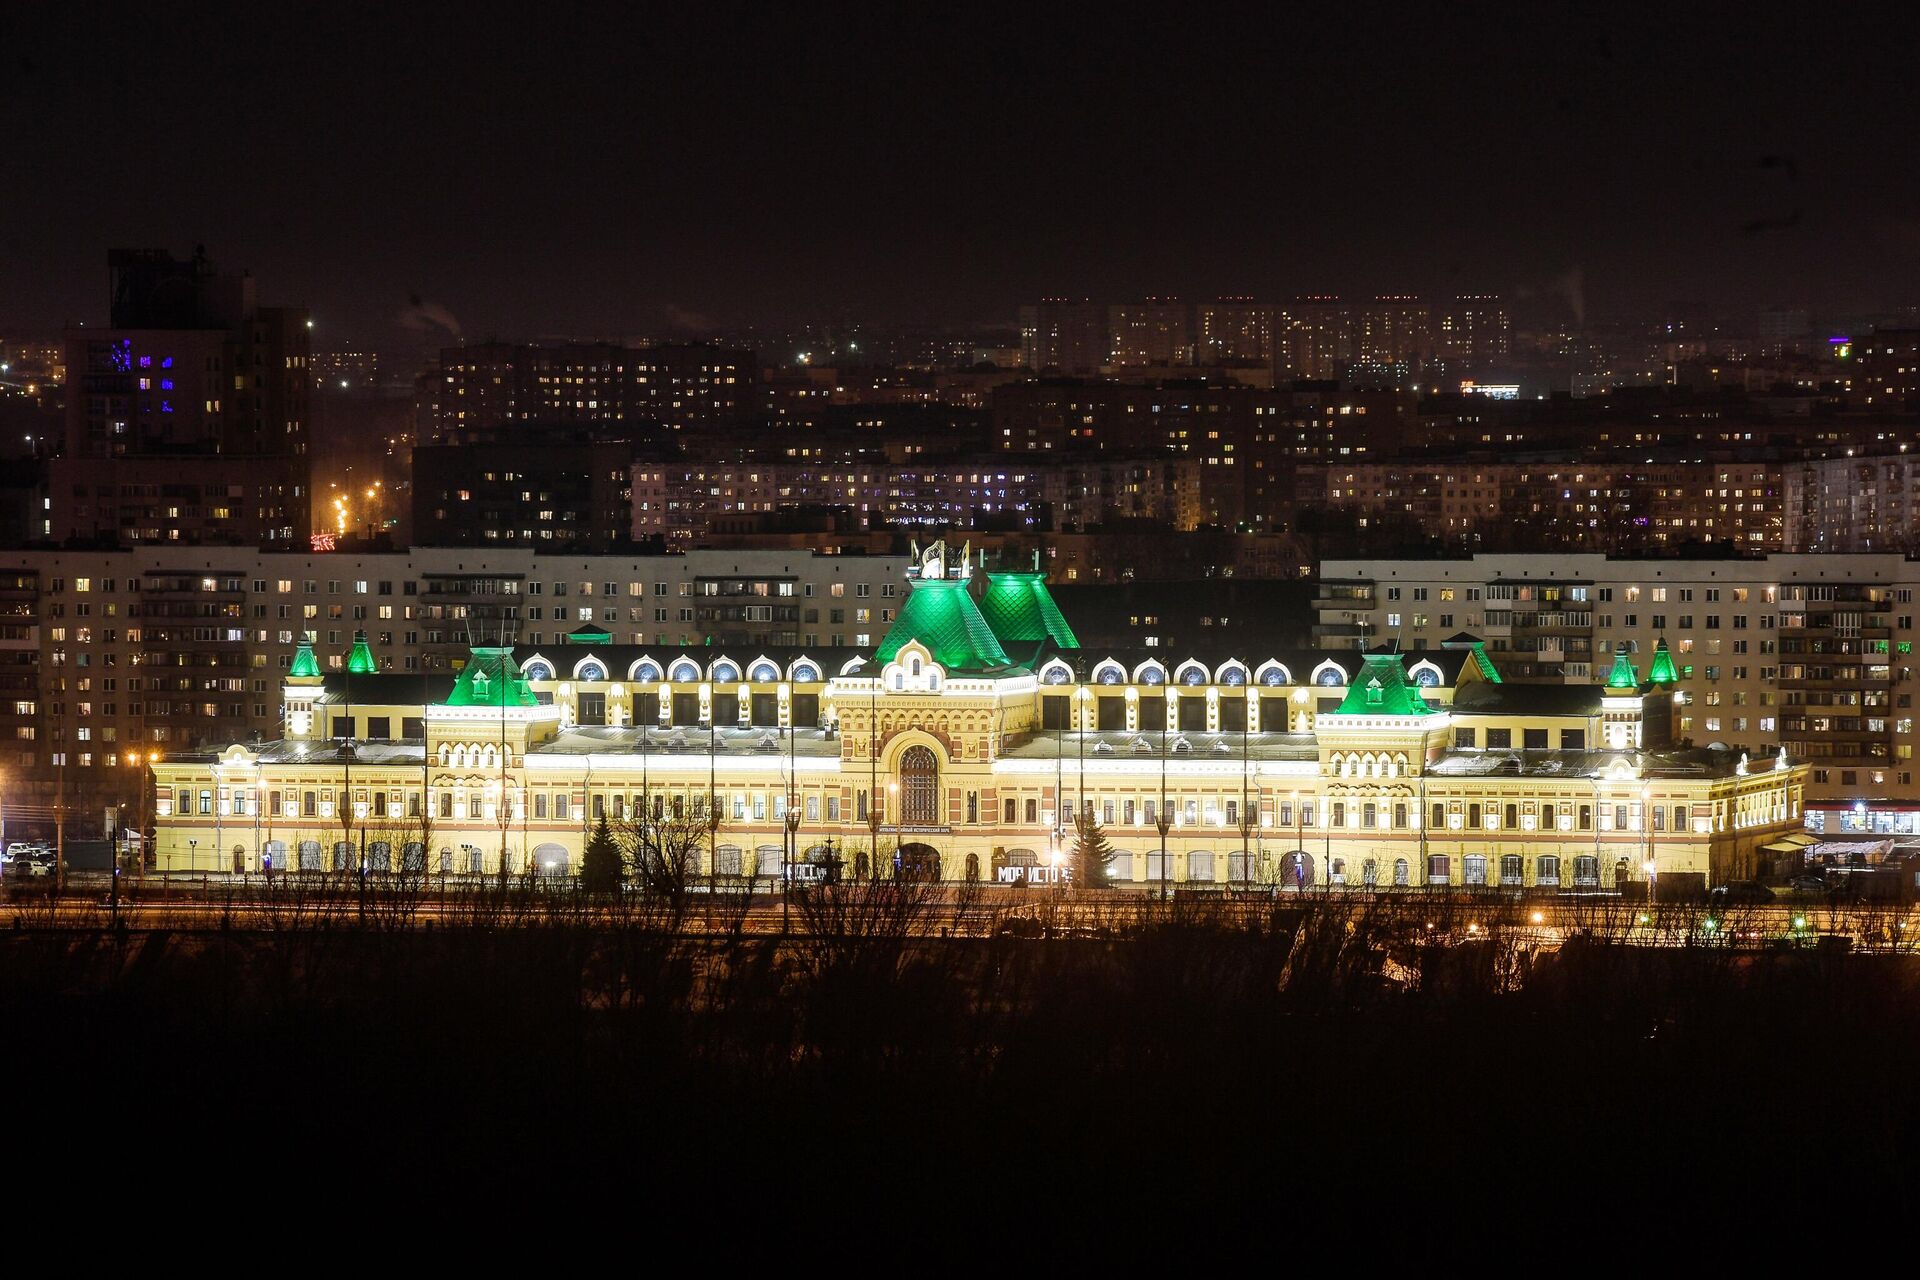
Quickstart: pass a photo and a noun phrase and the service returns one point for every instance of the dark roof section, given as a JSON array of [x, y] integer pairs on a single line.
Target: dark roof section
[[385, 689], [1483, 698]]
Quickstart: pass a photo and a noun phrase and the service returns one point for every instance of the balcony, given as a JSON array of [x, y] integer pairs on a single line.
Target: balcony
[[1344, 595]]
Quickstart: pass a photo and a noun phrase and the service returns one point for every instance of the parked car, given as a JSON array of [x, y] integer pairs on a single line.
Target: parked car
[[36, 862], [1749, 892], [1809, 884]]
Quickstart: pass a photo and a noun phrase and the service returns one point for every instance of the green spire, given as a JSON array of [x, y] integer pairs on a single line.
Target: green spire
[[304, 663], [1623, 675], [1020, 609], [1381, 689], [942, 616], [1662, 672], [490, 679], [360, 662]]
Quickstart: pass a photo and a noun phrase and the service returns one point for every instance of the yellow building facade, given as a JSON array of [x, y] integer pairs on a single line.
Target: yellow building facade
[[962, 747]]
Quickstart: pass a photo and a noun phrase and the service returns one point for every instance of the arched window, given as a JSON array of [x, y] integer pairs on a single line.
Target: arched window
[[805, 673], [724, 670], [685, 671], [1329, 677], [647, 670], [919, 788], [592, 671], [538, 671], [765, 673]]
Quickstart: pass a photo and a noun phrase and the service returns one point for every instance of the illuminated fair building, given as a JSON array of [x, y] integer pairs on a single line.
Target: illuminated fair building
[[962, 746]]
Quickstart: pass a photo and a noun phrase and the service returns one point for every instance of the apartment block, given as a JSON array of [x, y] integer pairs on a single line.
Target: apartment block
[[1812, 653], [103, 653]]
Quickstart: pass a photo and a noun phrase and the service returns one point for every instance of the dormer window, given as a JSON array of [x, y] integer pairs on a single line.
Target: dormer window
[[1375, 694], [916, 666]]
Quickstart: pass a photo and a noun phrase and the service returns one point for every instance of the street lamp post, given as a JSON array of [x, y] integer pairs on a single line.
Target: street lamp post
[[1161, 818], [1651, 867]]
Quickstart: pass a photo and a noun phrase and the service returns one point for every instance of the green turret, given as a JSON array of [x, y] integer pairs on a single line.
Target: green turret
[[1623, 675], [1662, 672], [305, 665], [360, 662]]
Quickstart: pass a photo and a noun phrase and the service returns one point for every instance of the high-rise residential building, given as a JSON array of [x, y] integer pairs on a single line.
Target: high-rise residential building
[[1813, 653], [1064, 336], [1571, 501], [187, 416], [1472, 331], [1238, 331], [525, 487], [1156, 331], [664, 391], [1887, 369], [687, 501]]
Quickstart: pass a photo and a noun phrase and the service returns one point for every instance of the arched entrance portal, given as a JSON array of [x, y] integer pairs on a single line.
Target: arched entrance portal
[[916, 862], [919, 788], [550, 860], [1296, 870]]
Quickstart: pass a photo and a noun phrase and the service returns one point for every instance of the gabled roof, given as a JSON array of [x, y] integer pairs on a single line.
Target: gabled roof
[[490, 679], [1483, 664], [1381, 689], [1021, 611], [941, 615]]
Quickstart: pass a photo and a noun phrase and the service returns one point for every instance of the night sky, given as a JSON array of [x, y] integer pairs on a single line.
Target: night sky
[[539, 170]]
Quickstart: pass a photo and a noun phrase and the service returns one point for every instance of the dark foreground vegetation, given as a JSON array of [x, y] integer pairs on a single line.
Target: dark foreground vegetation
[[1212, 1077]]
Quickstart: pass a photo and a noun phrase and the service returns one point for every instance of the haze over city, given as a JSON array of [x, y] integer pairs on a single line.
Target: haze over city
[[618, 173]]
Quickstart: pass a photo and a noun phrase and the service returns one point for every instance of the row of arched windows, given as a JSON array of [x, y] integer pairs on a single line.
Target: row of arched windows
[[592, 670]]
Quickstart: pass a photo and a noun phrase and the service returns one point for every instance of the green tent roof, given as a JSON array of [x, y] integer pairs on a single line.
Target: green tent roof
[[490, 679], [1662, 672], [1381, 689], [589, 635], [1020, 609], [360, 662], [941, 615], [304, 663], [1623, 675]]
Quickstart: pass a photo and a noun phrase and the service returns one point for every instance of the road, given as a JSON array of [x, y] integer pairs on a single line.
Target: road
[[215, 901]]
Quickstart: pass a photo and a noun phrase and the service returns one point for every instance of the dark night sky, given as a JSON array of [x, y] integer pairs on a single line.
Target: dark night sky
[[546, 169]]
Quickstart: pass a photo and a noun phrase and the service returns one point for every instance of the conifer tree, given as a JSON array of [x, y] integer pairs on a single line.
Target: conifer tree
[[1092, 855], [600, 864]]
